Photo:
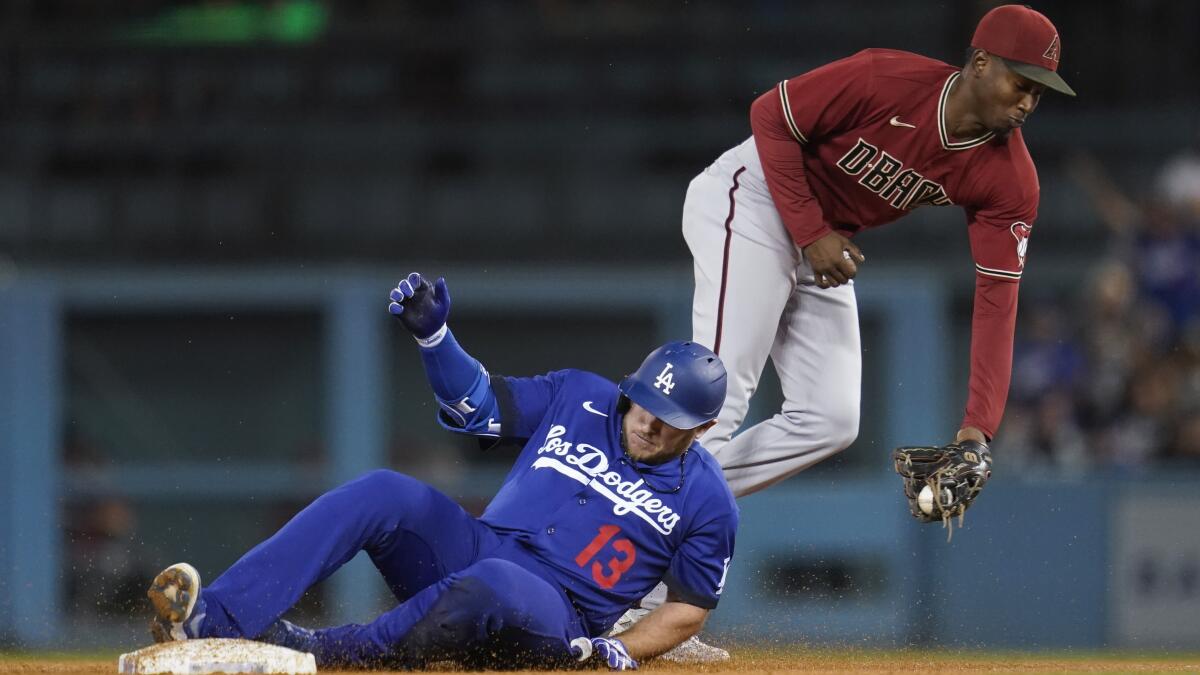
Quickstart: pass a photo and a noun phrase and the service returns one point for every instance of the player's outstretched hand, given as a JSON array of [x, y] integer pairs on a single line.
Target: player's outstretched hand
[[421, 306], [834, 260], [613, 652]]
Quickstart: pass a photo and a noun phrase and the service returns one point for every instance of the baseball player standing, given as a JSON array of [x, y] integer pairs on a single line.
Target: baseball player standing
[[849, 146], [609, 494]]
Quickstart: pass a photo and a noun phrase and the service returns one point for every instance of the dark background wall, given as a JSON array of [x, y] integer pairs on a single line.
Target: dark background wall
[[243, 132]]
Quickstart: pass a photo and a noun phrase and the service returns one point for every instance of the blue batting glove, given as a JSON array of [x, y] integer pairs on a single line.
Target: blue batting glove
[[614, 653], [422, 307]]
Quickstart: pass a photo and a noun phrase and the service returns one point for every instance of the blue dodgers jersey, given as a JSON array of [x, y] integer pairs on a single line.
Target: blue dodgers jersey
[[606, 527]]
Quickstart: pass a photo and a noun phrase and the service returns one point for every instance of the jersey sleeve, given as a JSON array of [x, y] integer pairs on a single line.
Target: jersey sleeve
[[1000, 236], [798, 112], [999, 233], [524, 401], [697, 572]]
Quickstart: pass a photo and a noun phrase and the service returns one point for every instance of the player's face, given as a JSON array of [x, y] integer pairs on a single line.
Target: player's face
[[649, 439], [1007, 99]]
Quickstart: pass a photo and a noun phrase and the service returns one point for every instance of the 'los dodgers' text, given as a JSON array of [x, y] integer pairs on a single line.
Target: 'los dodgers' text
[[589, 465]]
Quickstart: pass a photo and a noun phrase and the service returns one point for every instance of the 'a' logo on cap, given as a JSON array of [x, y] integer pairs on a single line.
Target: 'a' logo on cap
[[1052, 50]]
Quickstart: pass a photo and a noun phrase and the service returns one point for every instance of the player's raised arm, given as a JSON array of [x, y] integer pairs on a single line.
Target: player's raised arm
[[460, 383]]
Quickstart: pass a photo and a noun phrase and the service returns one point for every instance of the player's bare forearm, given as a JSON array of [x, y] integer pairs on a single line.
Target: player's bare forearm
[[970, 434], [665, 627]]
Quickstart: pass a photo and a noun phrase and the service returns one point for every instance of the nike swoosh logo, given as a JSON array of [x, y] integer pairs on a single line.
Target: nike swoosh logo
[[587, 405], [895, 121]]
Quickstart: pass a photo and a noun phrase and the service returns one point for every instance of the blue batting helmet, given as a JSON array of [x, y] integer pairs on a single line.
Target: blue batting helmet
[[680, 383]]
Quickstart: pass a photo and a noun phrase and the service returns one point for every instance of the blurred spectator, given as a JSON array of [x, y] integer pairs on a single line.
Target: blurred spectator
[[108, 563], [1167, 255], [1117, 398], [1185, 442], [1141, 431], [1159, 239], [1179, 185], [1045, 433], [1046, 357], [1112, 340], [1040, 427], [1141, 390]]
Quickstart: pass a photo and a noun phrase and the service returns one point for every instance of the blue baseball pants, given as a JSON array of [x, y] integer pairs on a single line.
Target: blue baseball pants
[[465, 593]]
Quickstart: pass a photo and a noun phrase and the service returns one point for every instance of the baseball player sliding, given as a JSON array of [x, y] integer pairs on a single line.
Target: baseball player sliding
[[609, 494], [852, 145]]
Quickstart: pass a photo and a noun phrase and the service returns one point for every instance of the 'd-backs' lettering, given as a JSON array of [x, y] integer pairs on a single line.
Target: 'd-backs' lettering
[[886, 176]]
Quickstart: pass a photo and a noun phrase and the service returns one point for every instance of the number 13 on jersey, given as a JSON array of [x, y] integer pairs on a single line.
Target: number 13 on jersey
[[615, 565]]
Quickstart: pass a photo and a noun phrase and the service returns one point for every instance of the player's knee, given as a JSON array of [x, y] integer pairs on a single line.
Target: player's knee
[[384, 482], [841, 427], [836, 425], [491, 614], [463, 617], [493, 573], [387, 491], [469, 604], [490, 584]]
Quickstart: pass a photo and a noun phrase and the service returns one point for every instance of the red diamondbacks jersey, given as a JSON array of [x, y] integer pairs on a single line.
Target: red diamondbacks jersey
[[862, 141], [875, 146]]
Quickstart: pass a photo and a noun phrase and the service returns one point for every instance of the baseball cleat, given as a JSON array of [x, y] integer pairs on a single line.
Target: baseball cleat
[[173, 593], [692, 650]]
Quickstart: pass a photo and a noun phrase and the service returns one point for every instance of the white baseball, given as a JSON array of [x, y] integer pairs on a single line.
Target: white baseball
[[925, 500]]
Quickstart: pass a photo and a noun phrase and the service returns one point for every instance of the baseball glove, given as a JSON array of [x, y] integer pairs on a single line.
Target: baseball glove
[[955, 474]]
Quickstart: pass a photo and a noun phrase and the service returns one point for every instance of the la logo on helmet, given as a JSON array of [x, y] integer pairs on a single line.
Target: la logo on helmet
[[665, 380]]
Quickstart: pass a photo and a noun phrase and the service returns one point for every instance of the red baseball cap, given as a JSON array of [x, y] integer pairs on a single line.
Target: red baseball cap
[[1027, 42]]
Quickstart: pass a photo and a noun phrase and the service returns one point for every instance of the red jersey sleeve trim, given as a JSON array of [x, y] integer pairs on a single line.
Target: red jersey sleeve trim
[[787, 114], [997, 274]]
